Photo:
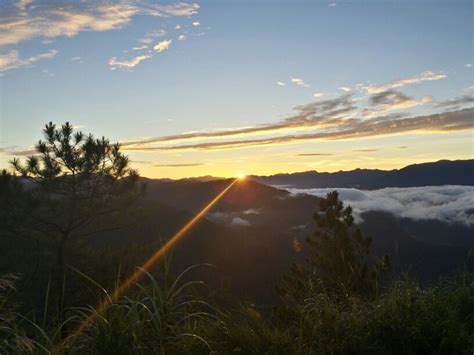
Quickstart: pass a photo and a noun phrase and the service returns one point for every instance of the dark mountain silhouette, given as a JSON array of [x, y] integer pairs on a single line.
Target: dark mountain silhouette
[[443, 172], [252, 257]]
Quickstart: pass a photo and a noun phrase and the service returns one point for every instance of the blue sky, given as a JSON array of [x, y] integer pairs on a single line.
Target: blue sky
[[324, 85]]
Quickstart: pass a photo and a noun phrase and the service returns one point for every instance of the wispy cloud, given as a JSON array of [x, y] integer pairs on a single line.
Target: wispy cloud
[[326, 113], [177, 165], [181, 37], [425, 76], [469, 65], [313, 154], [340, 128], [392, 100], [163, 45], [281, 83], [50, 20], [150, 36], [232, 218], [366, 150], [14, 151], [126, 63], [196, 23], [30, 20], [332, 119], [345, 88], [318, 94], [12, 60], [458, 101], [139, 48], [299, 82], [169, 10]]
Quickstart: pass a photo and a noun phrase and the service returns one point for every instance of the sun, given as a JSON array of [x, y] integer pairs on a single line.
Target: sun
[[241, 176]]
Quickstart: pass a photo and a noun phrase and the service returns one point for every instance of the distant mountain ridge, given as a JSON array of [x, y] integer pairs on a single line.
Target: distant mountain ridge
[[443, 172]]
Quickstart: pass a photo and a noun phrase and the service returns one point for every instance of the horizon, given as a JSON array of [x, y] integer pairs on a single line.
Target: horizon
[[202, 88], [244, 177]]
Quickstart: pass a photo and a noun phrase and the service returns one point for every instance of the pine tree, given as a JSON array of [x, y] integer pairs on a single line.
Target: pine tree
[[74, 183], [339, 262]]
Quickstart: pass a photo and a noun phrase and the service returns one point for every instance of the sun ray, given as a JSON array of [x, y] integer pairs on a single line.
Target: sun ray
[[135, 277]]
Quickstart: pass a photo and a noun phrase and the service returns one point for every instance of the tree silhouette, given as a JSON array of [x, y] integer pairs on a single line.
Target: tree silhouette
[[339, 262], [74, 182]]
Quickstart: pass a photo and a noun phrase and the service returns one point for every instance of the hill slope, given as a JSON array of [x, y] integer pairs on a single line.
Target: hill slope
[[443, 172]]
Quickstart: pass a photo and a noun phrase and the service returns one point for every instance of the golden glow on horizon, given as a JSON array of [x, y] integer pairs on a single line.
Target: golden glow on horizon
[[136, 276], [334, 156], [241, 176]]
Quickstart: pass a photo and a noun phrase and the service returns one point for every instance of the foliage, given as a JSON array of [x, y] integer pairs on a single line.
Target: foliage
[[73, 184], [339, 260]]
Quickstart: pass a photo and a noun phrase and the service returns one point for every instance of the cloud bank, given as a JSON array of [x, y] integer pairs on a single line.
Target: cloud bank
[[451, 204], [369, 111]]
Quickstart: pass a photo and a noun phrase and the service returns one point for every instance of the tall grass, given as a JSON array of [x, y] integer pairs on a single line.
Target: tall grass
[[157, 318], [170, 316]]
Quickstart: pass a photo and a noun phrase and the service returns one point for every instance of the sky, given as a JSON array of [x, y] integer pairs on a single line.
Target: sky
[[226, 88]]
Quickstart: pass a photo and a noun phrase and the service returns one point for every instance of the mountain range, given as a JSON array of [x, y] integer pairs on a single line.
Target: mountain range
[[443, 172]]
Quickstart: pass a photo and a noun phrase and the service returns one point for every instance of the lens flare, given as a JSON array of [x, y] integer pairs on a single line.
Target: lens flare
[[135, 277]]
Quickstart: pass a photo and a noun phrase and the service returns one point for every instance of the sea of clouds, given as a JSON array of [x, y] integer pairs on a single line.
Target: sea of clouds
[[452, 204]]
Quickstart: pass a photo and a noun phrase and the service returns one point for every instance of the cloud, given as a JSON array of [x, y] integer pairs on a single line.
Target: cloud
[[299, 82], [163, 45], [313, 154], [169, 10], [318, 94], [321, 113], [251, 211], [345, 88], [451, 204], [151, 35], [56, 21], [115, 63], [28, 20], [366, 150], [68, 19], [339, 128], [177, 27], [12, 60], [231, 218], [237, 221], [393, 100], [458, 101], [425, 76], [196, 23], [281, 83], [469, 65], [14, 151], [140, 48], [177, 165], [181, 37], [332, 4], [22, 6]]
